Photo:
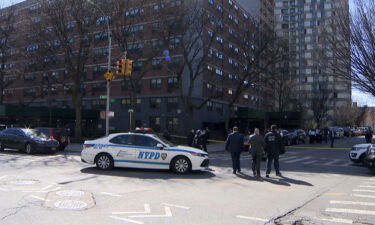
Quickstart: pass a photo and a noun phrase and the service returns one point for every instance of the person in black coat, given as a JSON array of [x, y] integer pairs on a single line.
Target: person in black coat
[[205, 136], [274, 147], [190, 138], [234, 145]]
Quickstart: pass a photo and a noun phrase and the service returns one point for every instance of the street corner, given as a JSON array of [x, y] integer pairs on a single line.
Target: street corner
[[74, 200]]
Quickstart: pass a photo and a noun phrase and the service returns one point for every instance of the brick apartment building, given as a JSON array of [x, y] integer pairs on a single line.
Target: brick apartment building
[[44, 80]]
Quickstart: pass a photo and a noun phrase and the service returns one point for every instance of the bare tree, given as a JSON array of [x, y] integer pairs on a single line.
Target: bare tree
[[347, 115], [65, 18], [7, 49], [352, 41]]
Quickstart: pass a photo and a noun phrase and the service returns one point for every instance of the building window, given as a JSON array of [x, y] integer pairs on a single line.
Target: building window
[[138, 103], [155, 83], [172, 103], [125, 103], [172, 82], [219, 108], [155, 123], [156, 64], [155, 103], [172, 124], [209, 106]]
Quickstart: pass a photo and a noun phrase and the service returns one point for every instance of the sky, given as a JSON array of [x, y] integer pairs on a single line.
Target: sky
[[357, 96]]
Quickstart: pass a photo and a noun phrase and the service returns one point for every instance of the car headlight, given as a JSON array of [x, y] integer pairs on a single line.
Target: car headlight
[[198, 154]]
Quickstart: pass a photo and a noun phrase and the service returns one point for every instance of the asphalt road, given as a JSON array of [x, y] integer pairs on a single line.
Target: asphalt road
[[319, 186]]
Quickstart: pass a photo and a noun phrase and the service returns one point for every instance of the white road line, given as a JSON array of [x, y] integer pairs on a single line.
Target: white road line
[[168, 213], [3, 189], [351, 211], [366, 186], [110, 194], [336, 220], [46, 187], [35, 191], [369, 182], [332, 162], [176, 206], [147, 210], [126, 220], [39, 198], [3, 177], [371, 179], [353, 203], [310, 162], [363, 190], [252, 218], [287, 158], [364, 196], [296, 160]]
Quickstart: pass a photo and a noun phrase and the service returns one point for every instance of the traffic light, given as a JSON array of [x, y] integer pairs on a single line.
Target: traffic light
[[109, 76], [120, 67], [128, 67]]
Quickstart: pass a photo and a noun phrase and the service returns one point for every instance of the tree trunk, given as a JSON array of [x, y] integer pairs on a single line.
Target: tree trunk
[[78, 124]]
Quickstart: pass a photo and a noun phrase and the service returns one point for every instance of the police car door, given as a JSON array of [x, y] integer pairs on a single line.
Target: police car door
[[148, 154], [123, 150]]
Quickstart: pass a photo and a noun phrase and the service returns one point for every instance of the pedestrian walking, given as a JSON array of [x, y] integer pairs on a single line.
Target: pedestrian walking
[[257, 145], [312, 135], [325, 134], [274, 147], [331, 136], [234, 145], [190, 137]]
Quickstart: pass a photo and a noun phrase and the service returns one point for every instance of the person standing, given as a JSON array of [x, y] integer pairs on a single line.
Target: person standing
[[205, 136], [190, 138], [274, 147], [368, 135], [197, 141], [331, 135], [234, 145], [257, 145]]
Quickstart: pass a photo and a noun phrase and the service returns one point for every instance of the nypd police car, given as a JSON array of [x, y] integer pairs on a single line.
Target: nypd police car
[[358, 153], [142, 151]]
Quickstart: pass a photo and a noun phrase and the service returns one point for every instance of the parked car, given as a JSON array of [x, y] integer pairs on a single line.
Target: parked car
[[358, 153], [3, 127], [27, 140], [286, 136], [370, 158], [298, 136]]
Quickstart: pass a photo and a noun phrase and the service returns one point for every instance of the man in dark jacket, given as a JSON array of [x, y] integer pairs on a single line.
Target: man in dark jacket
[[274, 147], [256, 150], [234, 145], [190, 138]]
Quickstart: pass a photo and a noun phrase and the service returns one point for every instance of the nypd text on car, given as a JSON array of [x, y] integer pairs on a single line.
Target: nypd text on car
[[142, 151]]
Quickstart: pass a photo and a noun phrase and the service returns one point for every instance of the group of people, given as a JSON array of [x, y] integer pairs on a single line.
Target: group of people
[[199, 138], [272, 144], [320, 135]]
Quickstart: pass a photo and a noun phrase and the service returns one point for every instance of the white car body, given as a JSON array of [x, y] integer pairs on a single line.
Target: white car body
[[358, 152], [137, 156]]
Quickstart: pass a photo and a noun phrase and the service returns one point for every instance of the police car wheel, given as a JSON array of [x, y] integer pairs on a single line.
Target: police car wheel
[[104, 162], [181, 165]]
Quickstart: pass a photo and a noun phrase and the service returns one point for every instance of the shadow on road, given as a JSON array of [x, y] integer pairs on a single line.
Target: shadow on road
[[148, 173]]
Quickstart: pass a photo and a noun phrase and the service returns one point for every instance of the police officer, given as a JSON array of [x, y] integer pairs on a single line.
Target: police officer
[[256, 150], [274, 147], [234, 145]]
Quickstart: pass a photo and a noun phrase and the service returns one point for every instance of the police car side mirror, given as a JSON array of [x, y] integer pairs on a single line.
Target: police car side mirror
[[160, 146]]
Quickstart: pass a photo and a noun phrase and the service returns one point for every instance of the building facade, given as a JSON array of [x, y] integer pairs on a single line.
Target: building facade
[[161, 82], [303, 24]]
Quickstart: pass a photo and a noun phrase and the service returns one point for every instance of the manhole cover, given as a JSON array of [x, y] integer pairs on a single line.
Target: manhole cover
[[70, 193], [22, 182], [70, 204]]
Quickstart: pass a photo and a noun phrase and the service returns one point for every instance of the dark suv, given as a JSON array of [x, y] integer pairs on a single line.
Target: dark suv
[[59, 134]]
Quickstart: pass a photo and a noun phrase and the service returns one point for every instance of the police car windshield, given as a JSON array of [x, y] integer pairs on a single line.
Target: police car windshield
[[165, 141]]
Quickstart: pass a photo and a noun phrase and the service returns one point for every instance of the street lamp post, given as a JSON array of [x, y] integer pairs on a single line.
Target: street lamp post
[[130, 119], [108, 66]]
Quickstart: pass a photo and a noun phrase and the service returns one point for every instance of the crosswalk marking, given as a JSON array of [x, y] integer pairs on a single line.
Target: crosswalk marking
[[336, 220], [366, 186], [287, 158], [363, 190], [310, 162], [332, 162], [351, 211], [353, 203], [364, 196], [297, 160]]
